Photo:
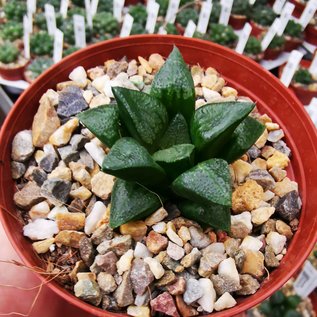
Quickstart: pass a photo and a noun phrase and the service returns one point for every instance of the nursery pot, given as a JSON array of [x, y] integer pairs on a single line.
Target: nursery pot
[[237, 21], [15, 73], [292, 43], [299, 8], [249, 78], [257, 29], [311, 34], [273, 53]]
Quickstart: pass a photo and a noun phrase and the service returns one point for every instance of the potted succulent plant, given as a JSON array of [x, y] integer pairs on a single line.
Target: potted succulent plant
[[12, 63], [104, 23], [15, 10], [139, 13], [253, 49], [163, 7], [169, 27], [41, 43], [293, 35], [184, 16], [222, 34], [311, 32], [275, 48], [239, 13], [261, 18], [37, 66], [215, 13], [12, 31], [40, 21]]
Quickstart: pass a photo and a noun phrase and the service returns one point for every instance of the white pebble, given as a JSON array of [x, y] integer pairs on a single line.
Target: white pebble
[[124, 263], [251, 243], [276, 241], [96, 152], [39, 210], [207, 301], [155, 267], [174, 251], [100, 82], [227, 269], [262, 214], [40, 229], [160, 227], [217, 247], [78, 75], [94, 217], [141, 251], [57, 210], [244, 217], [225, 301], [210, 95], [279, 257], [173, 236]]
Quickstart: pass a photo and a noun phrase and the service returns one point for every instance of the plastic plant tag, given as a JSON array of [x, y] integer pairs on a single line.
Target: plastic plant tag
[[126, 25], [31, 6], [204, 17], [306, 282], [58, 46], [94, 7], [30, 21], [190, 29], [149, 4], [50, 19], [268, 37], [152, 17], [226, 6], [252, 2], [243, 38], [162, 30], [278, 6], [79, 30], [172, 11], [312, 110], [88, 13], [117, 9], [26, 24], [64, 8], [26, 37], [313, 66], [291, 66], [308, 13], [285, 17]]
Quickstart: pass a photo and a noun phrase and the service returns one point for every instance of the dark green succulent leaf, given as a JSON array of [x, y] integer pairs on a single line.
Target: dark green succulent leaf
[[213, 124], [103, 122], [176, 133], [131, 161], [144, 116], [131, 201], [214, 215], [244, 136], [176, 159], [207, 182], [174, 86]]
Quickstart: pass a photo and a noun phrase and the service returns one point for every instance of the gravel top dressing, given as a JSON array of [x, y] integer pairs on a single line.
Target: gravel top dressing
[[154, 188]]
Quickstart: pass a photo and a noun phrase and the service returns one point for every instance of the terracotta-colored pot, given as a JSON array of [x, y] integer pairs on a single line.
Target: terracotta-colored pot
[[273, 53], [257, 58], [237, 21], [13, 73], [313, 298], [301, 92], [249, 78], [311, 34], [180, 28], [291, 43], [257, 29], [299, 8]]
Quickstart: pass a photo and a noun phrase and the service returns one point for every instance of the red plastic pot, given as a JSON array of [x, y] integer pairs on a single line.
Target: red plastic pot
[[257, 29], [299, 8], [249, 78], [237, 21], [292, 43], [273, 53], [16, 73], [311, 34]]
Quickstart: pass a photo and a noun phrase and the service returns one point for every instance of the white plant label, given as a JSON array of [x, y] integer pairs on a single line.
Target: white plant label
[[291, 66], [117, 9], [306, 282], [313, 66], [278, 6], [30, 20], [126, 25], [285, 17], [31, 6], [243, 38], [252, 2], [308, 13], [226, 6], [204, 17], [190, 29], [88, 13], [50, 19], [58, 46], [149, 4], [94, 7], [26, 42], [64, 8], [268, 37], [312, 110], [26, 24], [152, 17], [79, 30], [172, 11], [162, 30]]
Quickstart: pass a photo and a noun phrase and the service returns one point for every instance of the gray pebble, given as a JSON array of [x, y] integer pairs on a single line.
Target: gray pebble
[[78, 141], [68, 154], [17, 169], [193, 291], [56, 190], [49, 162]]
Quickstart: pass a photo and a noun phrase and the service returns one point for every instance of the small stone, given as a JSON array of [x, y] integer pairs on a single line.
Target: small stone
[[275, 135], [86, 276], [253, 263], [88, 291], [78, 75], [69, 238], [86, 159], [254, 152], [124, 263], [105, 263], [209, 81], [168, 278], [88, 95], [86, 250], [177, 287], [272, 126], [82, 193], [106, 282], [156, 217], [99, 100], [227, 269], [249, 285], [138, 311], [210, 95], [45, 122], [136, 229], [276, 241], [123, 293], [247, 196], [96, 152], [28, 196], [193, 291], [190, 259], [172, 235], [77, 205], [231, 246], [241, 170], [284, 229], [22, 146], [17, 169], [282, 147], [198, 238], [224, 302], [263, 178], [278, 173], [94, 217], [289, 205], [61, 172], [63, 134], [155, 242], [68, 154], [156, 61], [78, 141], [141, 276], [268, 226], [164, 303], [116, 67], [95, 72], [38, 176], [171, 264], [216, 247], [102, 185], [40, 229], [241, 225], [262, 139], [278, 159], [268, 195], [223, 285], [40, 210], [262, 214], [267, 151], [155, 267], [270, 258], [208, 299], [183, 222], [66, 84], [174, 251], [160, 227], [141, 251], [259, 163], [79, 267], [56, 191], [119, 244], [184, 234], [71, 102], [104, 232], [132, 68], [239, 258], [209, 263], [80, 174], [43, 246], [251, 243]]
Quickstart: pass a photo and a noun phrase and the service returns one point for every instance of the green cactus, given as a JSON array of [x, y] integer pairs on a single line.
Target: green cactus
[[40, 20], [105, 23], [9, 53], [163, 7], [76, 10], [55, 3], [241, 7], [293, 29], [215, 13], [253, 46], [198, 35], [105, 6], [38, 66], [79, 3], [138, 28], [170, 28], [41, 43], [263, 15], [277, 42], [222, 34], [303, 76], [70, 50], [12, 31], [15, 10], [185, 15], [139, 13], [68, 29], [101, 38]]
